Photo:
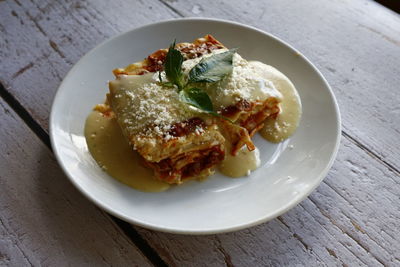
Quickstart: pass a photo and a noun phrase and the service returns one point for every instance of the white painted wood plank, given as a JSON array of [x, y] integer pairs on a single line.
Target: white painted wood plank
[[44, 220], [352, 219], [342, 222], [356, 45]]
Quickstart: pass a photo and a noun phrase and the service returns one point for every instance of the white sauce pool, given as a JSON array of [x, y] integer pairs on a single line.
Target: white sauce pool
[[289, 117], [242, 164], [112, 152]]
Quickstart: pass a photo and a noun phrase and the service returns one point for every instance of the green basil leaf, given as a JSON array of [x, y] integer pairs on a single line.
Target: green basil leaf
[[212, 69], [173, 66], [196, 98]]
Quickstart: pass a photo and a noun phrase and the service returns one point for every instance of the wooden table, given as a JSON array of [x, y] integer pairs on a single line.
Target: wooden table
[[352, 219]]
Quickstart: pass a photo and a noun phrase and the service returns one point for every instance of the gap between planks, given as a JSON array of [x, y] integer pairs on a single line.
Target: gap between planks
[[125, 227], [17, 245], [370, 152], [176, 11], [38, 130], [128, 229]]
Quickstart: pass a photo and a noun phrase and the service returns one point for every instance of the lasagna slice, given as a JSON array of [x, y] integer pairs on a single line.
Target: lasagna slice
[[174, 140], [180, 142]]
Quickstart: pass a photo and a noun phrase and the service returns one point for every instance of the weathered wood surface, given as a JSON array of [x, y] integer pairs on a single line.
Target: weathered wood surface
[[45, 38], [351, 219], [44, 220]]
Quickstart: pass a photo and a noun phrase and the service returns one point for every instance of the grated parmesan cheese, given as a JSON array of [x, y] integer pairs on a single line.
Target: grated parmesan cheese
[[140, 102], [145, 107]]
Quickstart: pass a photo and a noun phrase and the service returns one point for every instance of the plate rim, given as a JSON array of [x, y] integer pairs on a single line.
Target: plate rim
[[282, 210]]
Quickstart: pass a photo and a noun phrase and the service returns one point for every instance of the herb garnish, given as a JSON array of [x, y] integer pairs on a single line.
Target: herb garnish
[[173, 66], [208, 70], [212, 69]]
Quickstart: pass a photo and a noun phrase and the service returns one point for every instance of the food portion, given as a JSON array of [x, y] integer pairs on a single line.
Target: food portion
[[172, 139], [194, 106]]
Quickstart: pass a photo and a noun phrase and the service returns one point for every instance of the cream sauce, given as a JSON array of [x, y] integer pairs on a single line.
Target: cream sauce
[[242, 164], [112, 152], [289, 117], [274, 130]]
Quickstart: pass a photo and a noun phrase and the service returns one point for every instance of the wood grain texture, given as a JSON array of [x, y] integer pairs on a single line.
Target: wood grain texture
[[351, 219], [44, 220], [45, 38]]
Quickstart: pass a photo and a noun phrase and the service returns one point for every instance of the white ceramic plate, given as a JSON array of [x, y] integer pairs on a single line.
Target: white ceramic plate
[[219, 204]]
